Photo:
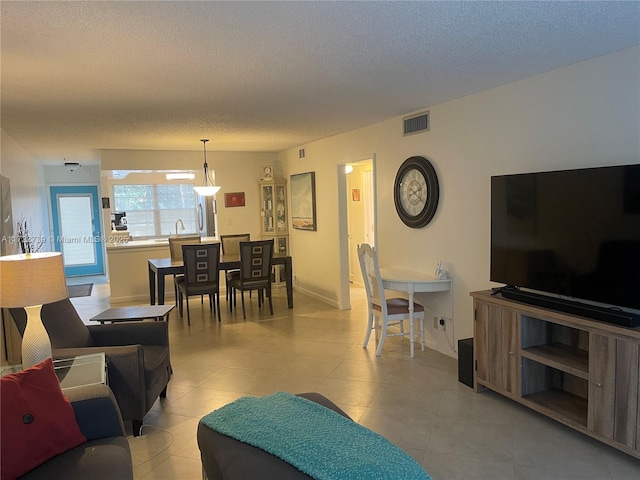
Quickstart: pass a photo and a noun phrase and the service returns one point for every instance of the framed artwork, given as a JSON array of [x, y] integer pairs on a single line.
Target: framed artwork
[[355, 194], [234, 199], [303, 201]]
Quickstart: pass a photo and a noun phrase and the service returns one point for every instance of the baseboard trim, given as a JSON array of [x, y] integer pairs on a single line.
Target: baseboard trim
[[317, 296]]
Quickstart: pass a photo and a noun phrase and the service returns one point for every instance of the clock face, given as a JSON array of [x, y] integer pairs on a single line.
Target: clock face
[[267, 171], [416, 192], [413, 192]]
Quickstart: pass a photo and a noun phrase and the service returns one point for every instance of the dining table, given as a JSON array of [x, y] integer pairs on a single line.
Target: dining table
[[412, 282], [159, 268]]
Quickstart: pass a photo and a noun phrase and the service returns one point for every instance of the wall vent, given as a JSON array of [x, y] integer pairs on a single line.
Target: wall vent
[[416, 123], [302, 153]]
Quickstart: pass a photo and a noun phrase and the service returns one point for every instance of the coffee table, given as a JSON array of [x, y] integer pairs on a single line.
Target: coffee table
[[130, 314]]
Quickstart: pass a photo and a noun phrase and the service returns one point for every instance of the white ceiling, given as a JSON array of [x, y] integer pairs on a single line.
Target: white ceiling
[[266, 76]]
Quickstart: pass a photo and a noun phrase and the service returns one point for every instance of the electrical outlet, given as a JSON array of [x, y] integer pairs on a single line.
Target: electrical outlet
[[443, 324], [436, 321]]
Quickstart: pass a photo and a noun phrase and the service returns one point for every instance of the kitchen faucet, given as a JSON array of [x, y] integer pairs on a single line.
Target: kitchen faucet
[[179, 221]]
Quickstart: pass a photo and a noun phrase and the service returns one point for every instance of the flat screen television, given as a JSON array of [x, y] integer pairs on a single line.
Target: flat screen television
[[570, 240]]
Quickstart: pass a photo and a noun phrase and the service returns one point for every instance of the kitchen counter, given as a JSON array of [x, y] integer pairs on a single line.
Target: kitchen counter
[[128, 267], [158, 242]]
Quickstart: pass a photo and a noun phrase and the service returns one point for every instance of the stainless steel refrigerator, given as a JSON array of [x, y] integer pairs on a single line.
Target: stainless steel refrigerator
[[207, 219]]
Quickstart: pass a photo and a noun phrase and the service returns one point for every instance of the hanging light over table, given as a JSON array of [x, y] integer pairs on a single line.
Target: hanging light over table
[[208, 187]]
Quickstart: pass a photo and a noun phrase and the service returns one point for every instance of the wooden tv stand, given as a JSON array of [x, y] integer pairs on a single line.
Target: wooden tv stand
[[581, 372]]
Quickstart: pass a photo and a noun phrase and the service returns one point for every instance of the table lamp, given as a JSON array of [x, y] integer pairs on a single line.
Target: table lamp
[[31, 280]]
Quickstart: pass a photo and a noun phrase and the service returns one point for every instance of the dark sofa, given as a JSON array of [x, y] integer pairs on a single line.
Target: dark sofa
[[105, 455], [225, 458]]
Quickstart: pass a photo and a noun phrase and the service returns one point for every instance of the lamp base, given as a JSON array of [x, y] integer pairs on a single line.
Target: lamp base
[[36, 345]]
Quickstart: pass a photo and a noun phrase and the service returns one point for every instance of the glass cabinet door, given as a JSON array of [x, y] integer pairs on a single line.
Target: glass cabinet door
[[273, 212], [281, 209], [281, 245], [268, 220]]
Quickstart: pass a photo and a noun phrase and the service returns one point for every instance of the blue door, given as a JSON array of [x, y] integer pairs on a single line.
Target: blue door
[[76, 229]]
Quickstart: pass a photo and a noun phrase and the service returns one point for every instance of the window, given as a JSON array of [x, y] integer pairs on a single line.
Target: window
[[153, 210]]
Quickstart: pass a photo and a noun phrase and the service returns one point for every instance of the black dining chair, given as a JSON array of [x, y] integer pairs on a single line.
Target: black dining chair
[[201, 275], [231, 246], [175, 251], [255, 271]]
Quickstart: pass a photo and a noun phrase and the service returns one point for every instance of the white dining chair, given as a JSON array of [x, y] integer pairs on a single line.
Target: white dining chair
[[392, 311]]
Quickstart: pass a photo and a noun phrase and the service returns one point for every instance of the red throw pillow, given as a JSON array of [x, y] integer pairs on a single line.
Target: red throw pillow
[[37, 420]]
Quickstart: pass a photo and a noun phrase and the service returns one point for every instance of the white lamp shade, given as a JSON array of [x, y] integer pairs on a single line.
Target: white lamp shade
[[207, 190], [32, 279]]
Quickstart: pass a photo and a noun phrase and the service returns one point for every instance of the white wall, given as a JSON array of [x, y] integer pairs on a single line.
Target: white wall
[[28, 198], [60, 175], [583, 115]]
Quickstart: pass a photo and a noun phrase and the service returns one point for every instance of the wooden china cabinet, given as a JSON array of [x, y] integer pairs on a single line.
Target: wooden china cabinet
[[274, 222]]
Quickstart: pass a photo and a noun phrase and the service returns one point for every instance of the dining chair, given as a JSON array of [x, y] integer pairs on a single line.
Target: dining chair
[[255, 271], [231, 246], [392, 311], [175, 251], [201, 275]]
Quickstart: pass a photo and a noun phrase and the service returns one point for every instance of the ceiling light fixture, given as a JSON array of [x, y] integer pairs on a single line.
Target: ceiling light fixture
[[72, 166], [208, 187]]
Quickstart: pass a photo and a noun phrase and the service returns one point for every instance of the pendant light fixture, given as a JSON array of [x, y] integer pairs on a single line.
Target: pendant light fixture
[[208, 187]]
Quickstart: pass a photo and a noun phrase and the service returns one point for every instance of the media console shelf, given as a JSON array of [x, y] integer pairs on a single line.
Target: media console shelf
[[581, 372]]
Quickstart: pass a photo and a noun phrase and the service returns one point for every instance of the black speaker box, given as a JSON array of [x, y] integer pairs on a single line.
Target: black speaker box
[[465, 361]]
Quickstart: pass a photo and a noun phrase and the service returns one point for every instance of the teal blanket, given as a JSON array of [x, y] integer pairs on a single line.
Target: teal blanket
[[314, 439]]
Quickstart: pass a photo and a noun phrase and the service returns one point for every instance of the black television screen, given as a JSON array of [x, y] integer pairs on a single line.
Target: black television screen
[[570, 233]]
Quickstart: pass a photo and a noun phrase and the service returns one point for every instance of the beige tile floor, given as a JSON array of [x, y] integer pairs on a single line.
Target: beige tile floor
[[416, 403]]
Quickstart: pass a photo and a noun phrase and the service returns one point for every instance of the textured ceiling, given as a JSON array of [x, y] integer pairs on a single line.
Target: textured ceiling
[[265, 76]]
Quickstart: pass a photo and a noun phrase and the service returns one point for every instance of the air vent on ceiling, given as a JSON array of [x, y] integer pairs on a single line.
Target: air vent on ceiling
[[416, 123]]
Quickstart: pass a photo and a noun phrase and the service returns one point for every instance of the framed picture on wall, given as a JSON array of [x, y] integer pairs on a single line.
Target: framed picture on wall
[[303, 201], [234, 199]]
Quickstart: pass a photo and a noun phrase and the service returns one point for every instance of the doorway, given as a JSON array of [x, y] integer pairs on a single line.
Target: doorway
[[358, 225], [76, 229], [360, 212]]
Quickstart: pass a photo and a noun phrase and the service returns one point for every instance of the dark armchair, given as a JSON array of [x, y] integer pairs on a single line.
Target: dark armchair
[[137, 354]]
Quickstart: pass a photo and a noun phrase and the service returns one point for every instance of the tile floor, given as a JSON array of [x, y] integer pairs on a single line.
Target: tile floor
[[416, 403]]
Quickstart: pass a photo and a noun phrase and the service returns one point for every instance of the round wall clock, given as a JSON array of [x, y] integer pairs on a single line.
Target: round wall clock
[[416, 192]]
